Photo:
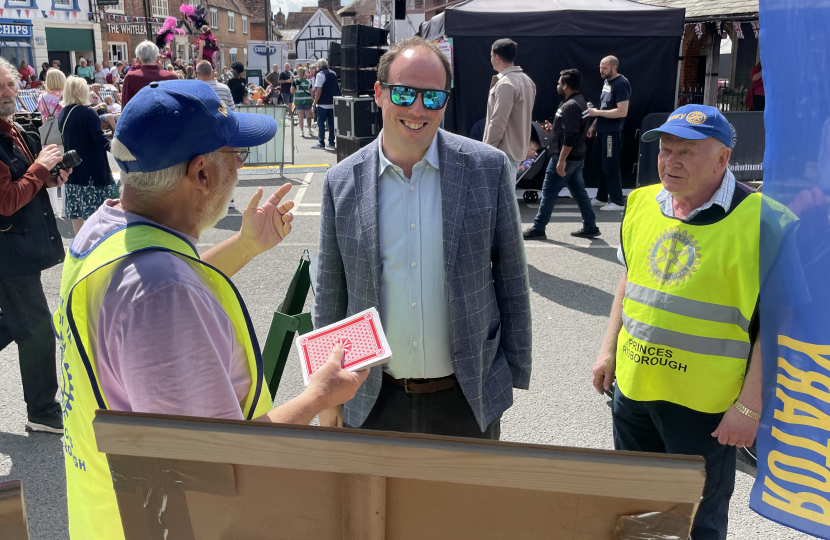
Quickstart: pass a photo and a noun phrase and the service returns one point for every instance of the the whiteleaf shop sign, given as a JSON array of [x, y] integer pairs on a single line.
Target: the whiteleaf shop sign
[[137, 28]]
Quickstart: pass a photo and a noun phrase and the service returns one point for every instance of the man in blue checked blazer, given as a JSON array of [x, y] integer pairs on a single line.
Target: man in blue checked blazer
[[423, 225]]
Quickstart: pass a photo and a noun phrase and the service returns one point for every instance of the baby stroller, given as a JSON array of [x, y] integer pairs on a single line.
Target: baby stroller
[[533, 177]]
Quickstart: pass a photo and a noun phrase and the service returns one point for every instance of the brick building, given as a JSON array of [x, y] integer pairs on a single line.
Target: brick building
[[258, 16], [705, 76], [230, 20], [126, 25]]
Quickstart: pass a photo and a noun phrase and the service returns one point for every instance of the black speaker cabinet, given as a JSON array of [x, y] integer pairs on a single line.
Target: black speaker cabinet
[[360, 81], [334, 54], [357, 117], [347, 147], [400, 10], [359, 35], [360, 57]]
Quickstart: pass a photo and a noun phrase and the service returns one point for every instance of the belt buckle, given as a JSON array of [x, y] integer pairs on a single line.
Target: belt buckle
[[406, 386]]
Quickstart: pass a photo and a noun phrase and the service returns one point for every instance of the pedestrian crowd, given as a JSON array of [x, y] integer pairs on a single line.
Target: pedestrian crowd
[[421, 224]]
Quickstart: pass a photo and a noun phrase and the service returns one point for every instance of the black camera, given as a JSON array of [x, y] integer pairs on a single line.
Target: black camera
[[70, 159]]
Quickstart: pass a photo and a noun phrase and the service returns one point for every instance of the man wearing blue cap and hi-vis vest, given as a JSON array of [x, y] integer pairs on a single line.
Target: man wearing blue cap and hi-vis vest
[[145, 323], [684, 320]]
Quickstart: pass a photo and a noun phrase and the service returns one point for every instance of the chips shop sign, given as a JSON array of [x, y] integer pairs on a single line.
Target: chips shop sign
[[12, 29]]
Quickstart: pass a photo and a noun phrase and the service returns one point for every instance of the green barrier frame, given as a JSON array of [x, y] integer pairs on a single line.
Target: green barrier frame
[[288, 320]]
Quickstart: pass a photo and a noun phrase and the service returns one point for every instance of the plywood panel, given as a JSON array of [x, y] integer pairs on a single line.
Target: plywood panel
[[13, 522], [444, 511], [271, 504], [417, 457]]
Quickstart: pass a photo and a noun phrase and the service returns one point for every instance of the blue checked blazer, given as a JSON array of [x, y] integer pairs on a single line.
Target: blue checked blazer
[[484, 259]]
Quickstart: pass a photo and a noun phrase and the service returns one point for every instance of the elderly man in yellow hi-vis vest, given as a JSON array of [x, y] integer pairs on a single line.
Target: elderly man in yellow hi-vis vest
[[684, 320], [146, 324]]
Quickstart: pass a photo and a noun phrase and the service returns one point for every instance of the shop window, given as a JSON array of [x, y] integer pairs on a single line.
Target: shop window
[[65, 4], [214, 19], [244, 24], [16, 51], [231, 22], [119, 8], [118, 51], [160, 8]]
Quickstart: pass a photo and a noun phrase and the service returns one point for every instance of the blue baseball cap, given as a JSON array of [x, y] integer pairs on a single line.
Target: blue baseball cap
[[694, 122], [171, 122]]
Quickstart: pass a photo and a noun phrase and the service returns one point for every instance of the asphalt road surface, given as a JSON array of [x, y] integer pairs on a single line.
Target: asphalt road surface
[[572, 284]]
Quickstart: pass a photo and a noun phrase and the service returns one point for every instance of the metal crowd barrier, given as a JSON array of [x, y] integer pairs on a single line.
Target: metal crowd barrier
[[273, 152]]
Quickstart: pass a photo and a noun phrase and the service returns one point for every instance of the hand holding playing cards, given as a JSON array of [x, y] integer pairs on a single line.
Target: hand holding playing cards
[[263, 227], [331, 384]]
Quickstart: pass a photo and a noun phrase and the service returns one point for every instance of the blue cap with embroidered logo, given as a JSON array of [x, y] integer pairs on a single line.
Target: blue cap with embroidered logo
[[171, 122], [694, 122]]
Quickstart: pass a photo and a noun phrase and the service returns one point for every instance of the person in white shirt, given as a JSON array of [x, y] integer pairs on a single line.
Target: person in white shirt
[[116, 74], [204, 72], [99, 75]]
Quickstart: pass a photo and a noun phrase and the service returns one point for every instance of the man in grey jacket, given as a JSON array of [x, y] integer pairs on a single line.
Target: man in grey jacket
[[509, 106], [424, 226]]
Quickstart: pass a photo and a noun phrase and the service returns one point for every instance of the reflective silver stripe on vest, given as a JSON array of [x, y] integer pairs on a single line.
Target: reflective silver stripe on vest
[[686, 342], [685, 306]]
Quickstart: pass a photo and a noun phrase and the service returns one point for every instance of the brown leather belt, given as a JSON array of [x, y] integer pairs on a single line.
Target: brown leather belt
[[423, 386]]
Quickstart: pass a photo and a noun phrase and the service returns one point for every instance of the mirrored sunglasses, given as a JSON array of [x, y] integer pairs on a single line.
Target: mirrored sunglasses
[[405, 96]]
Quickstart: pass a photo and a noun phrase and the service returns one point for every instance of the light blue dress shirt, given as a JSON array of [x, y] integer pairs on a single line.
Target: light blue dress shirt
[[413, 299]]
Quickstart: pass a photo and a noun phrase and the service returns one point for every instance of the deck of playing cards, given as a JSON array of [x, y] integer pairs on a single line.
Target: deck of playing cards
[[364, 344]]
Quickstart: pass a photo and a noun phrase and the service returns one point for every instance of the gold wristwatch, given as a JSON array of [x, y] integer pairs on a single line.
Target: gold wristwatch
[[745, 411]]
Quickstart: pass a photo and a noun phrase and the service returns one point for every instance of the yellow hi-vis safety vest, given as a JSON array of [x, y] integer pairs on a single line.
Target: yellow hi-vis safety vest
[[93, 511], [691, 292]]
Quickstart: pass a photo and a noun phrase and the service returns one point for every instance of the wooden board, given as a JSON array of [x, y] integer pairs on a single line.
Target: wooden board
[[281, 481], [13, 521]]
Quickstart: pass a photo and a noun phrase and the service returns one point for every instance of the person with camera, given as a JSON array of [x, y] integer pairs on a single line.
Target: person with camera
[[29, 243], [91, 183]]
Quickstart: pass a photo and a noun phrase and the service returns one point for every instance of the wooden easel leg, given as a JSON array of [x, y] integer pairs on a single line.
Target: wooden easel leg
[[364, 507]]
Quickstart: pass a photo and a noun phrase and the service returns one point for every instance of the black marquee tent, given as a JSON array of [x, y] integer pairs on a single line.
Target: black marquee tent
[[553, 35]]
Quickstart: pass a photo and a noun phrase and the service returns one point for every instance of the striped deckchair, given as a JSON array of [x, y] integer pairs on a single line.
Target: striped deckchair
[[116, 96], [28, 99]]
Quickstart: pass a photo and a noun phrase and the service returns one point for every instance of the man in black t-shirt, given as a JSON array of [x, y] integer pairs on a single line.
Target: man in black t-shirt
[[567, 149], [286, 81], [608, 126], [238, 85]]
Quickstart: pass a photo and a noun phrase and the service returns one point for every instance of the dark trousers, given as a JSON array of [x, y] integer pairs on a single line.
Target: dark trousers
[[442, 413], [323, 116], [758, 102], [666, 428], [26, 321], [553, 185], [607, 147]]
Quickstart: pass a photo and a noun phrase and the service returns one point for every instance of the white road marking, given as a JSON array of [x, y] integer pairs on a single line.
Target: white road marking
[[298, 199]]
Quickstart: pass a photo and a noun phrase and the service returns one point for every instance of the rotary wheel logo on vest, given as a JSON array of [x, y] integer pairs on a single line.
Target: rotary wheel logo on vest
[[673, 257]]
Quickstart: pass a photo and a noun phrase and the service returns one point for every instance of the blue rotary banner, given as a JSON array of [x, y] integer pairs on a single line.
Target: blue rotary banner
[[793, 482]]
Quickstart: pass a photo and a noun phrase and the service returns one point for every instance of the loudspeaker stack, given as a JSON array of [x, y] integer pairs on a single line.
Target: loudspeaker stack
[[360, 50], [357, 120]]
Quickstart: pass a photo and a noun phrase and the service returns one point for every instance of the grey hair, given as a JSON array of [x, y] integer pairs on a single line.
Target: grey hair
[[156, 181], [147, 52], [322, 63], [12, 70]]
